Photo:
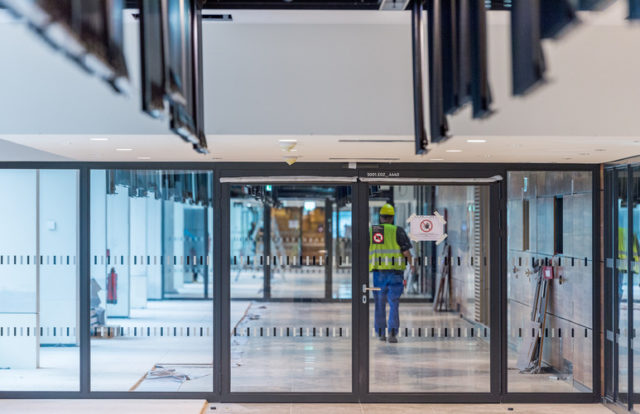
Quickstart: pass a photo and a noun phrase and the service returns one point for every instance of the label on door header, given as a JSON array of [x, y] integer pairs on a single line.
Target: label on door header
[[427, 228], [383, 174]]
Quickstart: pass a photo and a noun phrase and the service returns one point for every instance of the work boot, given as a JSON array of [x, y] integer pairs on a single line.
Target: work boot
[[382, 338], [393, 339]]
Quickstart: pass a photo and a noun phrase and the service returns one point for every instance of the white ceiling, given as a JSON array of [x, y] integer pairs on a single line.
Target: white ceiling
[[330, 80], [543, 149]]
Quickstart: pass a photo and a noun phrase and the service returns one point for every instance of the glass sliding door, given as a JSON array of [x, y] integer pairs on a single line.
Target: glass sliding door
[[151, 280], [39, 312], [290, 285], [428, 298]]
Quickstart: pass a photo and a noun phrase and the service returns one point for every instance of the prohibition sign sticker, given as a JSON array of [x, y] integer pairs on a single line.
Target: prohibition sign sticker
[[378, 238], [427, 228], [426, 225]]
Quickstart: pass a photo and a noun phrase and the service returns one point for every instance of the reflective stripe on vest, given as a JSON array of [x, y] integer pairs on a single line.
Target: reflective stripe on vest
[[385, 254]]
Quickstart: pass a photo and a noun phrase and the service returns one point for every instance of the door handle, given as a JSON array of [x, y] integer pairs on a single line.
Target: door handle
[[365, 288]]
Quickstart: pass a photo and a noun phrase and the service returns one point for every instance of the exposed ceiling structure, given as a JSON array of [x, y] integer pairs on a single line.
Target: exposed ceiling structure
[[339, 84]]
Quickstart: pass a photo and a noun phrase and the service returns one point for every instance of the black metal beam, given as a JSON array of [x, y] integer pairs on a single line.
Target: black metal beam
[[480, 91], [283, 5], [420, 132], [527, 58], [450, 87], [266, 246], [438, 126], [634, 10], [555, 16]]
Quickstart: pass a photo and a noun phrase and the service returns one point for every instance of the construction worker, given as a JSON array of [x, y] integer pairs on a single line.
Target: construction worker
[[389, 253]]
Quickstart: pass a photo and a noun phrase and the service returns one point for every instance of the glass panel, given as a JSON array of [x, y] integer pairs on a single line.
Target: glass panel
[[39, 341], [622, 290], [634, 292], [549, 282], [434, 337], [151, 281], [291, 295]]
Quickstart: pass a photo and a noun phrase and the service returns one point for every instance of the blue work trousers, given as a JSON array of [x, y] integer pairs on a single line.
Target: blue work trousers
[[391, 286]]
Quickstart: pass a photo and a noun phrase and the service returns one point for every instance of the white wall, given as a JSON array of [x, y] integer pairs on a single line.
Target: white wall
[[38, 218], [18, 283], [138, 249], [154, 247], [58, 216]]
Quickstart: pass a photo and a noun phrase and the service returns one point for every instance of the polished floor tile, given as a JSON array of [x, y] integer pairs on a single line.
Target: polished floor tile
[[103, 406]]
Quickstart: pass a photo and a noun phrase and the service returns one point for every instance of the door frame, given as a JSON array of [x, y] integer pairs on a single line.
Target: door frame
[[239, 169], [452, 174], [497, 234]]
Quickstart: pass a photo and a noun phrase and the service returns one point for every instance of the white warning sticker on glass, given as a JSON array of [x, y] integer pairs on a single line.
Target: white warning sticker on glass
[[427, 228]]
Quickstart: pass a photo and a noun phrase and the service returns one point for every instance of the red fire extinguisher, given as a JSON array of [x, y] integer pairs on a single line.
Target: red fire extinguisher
[[112, 286]]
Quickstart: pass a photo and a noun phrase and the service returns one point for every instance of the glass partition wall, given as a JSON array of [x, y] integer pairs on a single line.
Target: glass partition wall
[[39, 307], [550, 332], [429, 317], [108, 278], [151, 281], [290, 283], [622, 284]]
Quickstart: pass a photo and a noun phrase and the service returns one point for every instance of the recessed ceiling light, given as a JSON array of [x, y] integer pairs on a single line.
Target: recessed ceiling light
[[436, 159], [99, 139], [124, 149], [477, 141], [144, 158], [454, 150]]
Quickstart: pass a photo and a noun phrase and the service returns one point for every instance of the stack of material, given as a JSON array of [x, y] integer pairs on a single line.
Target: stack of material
[[530, 353]]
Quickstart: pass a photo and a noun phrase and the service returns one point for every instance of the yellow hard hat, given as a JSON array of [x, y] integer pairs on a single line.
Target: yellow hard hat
[[387, 210]]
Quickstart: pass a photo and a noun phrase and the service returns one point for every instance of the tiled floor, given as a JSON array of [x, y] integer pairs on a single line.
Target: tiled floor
[[407, 408], [200, 407]]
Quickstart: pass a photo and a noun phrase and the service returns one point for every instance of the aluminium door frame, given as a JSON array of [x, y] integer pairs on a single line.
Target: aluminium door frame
[[281, 177], [611, 349], [219, 169], [497, 236]]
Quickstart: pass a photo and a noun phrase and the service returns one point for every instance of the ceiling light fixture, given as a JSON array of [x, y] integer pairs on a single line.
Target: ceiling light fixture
[[436, 159], [290, 160], [454, 150], [144, 158], [477, 141], [99, 139], [287, 144], [124, 149]]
